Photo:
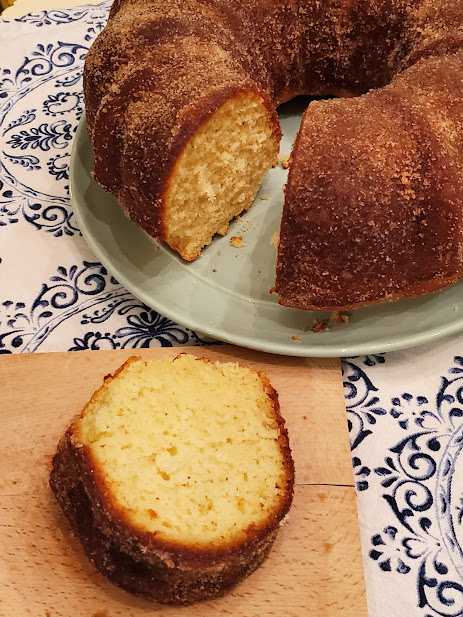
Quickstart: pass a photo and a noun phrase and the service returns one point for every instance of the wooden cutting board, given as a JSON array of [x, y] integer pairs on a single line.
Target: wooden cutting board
[[315, 567]]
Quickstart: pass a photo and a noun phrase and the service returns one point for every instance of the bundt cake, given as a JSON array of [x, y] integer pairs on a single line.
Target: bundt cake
[[177, 476], [181, 97]]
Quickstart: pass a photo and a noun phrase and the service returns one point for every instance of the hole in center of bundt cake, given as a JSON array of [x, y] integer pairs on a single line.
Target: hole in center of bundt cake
[[219, 173], [189, 449]]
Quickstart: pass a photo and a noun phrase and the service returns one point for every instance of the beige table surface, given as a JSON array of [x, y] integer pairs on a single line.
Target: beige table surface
[[22, 7]]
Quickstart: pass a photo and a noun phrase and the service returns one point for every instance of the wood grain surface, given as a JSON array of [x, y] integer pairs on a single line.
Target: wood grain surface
[[315, 567]]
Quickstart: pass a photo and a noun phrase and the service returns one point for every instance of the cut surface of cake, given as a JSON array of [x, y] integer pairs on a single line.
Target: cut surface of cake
[[219, 173], [176, 476]]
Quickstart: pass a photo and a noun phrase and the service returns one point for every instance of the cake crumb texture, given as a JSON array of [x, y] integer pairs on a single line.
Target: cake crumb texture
[[176, 476], [188, 448], [218, 174]]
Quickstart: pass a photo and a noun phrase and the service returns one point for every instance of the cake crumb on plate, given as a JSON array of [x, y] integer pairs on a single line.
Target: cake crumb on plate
[[237, 241], [284, 160], [275, 239]]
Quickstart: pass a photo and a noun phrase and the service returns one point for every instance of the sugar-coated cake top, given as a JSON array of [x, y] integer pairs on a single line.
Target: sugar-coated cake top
[[191, 450]]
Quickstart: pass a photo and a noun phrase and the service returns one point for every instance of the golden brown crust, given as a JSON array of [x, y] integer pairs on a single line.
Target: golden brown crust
[[138, 561], [353, 233]]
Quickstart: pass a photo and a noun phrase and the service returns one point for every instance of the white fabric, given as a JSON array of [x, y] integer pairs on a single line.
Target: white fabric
[[405, 414]]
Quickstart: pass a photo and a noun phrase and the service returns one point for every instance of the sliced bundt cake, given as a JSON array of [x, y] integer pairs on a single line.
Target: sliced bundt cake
[[176, 476], [181, 99]]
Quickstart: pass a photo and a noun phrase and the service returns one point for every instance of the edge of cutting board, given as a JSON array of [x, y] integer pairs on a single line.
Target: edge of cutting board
[[315, 566]]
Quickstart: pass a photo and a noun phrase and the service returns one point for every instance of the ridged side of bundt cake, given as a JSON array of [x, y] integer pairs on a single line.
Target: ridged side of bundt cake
[[138, 140], [176, 476], [385, 220], [373, 196]]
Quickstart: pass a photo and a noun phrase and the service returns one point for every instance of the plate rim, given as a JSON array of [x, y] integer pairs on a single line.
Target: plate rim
[[328, 350]]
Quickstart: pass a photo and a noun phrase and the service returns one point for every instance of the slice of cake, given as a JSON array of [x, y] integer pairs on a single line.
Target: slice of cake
[[176, 476]]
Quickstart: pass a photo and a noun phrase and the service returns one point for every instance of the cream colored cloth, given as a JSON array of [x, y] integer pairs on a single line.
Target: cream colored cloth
[[23, 7]]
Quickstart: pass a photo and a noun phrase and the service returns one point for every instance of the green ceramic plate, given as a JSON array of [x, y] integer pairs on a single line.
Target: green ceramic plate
[[225, 293]]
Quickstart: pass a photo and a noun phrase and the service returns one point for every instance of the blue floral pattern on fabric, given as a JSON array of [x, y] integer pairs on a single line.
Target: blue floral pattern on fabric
[[94, 16], [56, 297], [416, 480], [86, 298], [32, 134]]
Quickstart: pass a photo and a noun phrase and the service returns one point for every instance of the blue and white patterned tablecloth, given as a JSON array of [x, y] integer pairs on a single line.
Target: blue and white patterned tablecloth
[[405, 409], [53, 294]]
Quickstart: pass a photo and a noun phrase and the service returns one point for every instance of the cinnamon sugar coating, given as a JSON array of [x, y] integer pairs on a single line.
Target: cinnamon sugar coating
[[373, 203]]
